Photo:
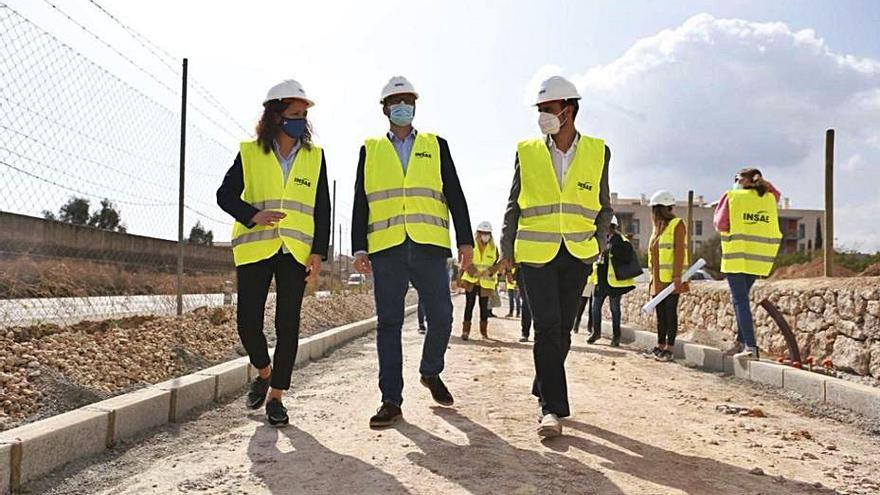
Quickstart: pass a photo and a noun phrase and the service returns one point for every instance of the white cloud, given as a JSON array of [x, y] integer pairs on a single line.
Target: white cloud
[[687, 107]]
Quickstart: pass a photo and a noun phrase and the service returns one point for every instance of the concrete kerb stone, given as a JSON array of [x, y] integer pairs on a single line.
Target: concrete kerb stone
[[187, 393], [767, 373], [6, 451], [705, 357], [860, 398], [49, 444], [810, 385], [737, 367], [231, 378], [133, 413], [644, 340]]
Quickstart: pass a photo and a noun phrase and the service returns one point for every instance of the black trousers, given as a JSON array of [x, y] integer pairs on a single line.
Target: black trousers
[[667, 320], [526, 321], [585, 302], [470, 300], [553, 292], [253, 288]]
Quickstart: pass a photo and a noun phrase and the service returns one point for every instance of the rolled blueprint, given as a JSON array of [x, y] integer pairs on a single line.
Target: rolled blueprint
[[650, 305]]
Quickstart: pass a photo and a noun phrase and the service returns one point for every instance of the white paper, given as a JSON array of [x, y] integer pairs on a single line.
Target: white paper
[[650, 305]]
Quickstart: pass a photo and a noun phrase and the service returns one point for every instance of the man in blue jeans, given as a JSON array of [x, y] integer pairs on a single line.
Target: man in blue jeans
[[405, 188]]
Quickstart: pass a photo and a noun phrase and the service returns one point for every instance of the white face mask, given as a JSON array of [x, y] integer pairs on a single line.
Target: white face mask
[[485, 238], [549, 123]]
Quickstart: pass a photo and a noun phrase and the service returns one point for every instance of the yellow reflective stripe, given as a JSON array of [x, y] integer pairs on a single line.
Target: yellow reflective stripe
[[401, 219], [412, 192], [537, 211], [666, 267], [263, 235], [579, 236], [749, 238], [296, 234], [287, 204], [666, 245], [747, 256], [579, 210], [526, 235]]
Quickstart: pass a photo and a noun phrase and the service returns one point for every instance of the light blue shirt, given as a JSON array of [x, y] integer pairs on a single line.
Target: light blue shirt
[[286, 162], [403, 147]]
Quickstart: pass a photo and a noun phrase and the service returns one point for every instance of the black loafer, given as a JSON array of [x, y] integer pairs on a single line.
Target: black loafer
[[438, 390], [257, 394], [386, 415], [276, 413]]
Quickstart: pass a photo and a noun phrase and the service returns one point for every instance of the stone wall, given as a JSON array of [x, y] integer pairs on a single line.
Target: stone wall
[[837, 318]]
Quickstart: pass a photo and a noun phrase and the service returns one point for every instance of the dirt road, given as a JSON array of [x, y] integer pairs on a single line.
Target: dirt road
[[638, 427]]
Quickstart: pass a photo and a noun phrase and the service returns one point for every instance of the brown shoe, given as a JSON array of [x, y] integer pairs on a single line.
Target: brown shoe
[[484, 329], [465, 330]]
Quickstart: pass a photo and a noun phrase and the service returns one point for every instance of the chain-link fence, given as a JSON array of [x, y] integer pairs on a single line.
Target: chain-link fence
[[89, 172]]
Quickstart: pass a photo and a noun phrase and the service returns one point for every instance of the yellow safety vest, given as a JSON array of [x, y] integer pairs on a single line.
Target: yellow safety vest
[[551, 214], [410, 204], [265, 189], [483, 261], [612, 277], [667, 252], [753, 241]]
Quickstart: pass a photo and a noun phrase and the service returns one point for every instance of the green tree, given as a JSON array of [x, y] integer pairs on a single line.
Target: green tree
[[198, 235], [107, 218], [75, 211]]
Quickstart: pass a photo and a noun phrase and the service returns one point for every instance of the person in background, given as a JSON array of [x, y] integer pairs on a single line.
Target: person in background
[[421, 313], [608, 285], [479, 280], [525, 323], [667, 260], [747, 219], [586, 301], [514, 299], [278, 194], [406, 187]]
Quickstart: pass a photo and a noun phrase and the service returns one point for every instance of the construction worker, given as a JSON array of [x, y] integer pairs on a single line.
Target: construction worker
[[479, 280], [514, 299], [277, 192], [667, 260], [748, 221], [406, 186], [607, 285], [554, 227]]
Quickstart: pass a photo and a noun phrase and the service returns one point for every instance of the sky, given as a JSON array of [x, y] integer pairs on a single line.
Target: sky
[[684, 93]]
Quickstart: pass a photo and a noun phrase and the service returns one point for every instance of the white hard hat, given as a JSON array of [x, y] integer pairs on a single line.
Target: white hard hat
[[663, 198], [557, 88], [288, 89], [484, 227], [614, 220], [397, 85]]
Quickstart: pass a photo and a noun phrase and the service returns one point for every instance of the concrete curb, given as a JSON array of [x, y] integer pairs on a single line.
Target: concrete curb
[[862, 399], [34, 450]]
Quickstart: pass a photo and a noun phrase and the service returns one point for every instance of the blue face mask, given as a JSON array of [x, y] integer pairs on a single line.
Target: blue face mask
[[401, 114], [294, 127]]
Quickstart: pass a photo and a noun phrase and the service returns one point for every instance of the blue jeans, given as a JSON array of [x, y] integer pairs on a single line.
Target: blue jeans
[[740, 286], [513, 301], [393, 270], [598, 300]]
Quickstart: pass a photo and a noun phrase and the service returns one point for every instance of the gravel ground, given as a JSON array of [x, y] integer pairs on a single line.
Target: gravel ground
[[50, 369], [638, 427]]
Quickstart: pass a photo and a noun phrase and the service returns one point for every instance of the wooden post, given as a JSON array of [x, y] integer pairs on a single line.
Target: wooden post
[[690, 226], [829, 203]]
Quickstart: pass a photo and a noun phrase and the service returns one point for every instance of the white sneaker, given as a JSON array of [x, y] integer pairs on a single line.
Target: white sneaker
[[550, 426], [749, 353]]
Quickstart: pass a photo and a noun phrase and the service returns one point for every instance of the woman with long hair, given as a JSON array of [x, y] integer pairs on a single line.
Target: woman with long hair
[[667, 259], [747, 219], [276, 190], [479, 280]]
